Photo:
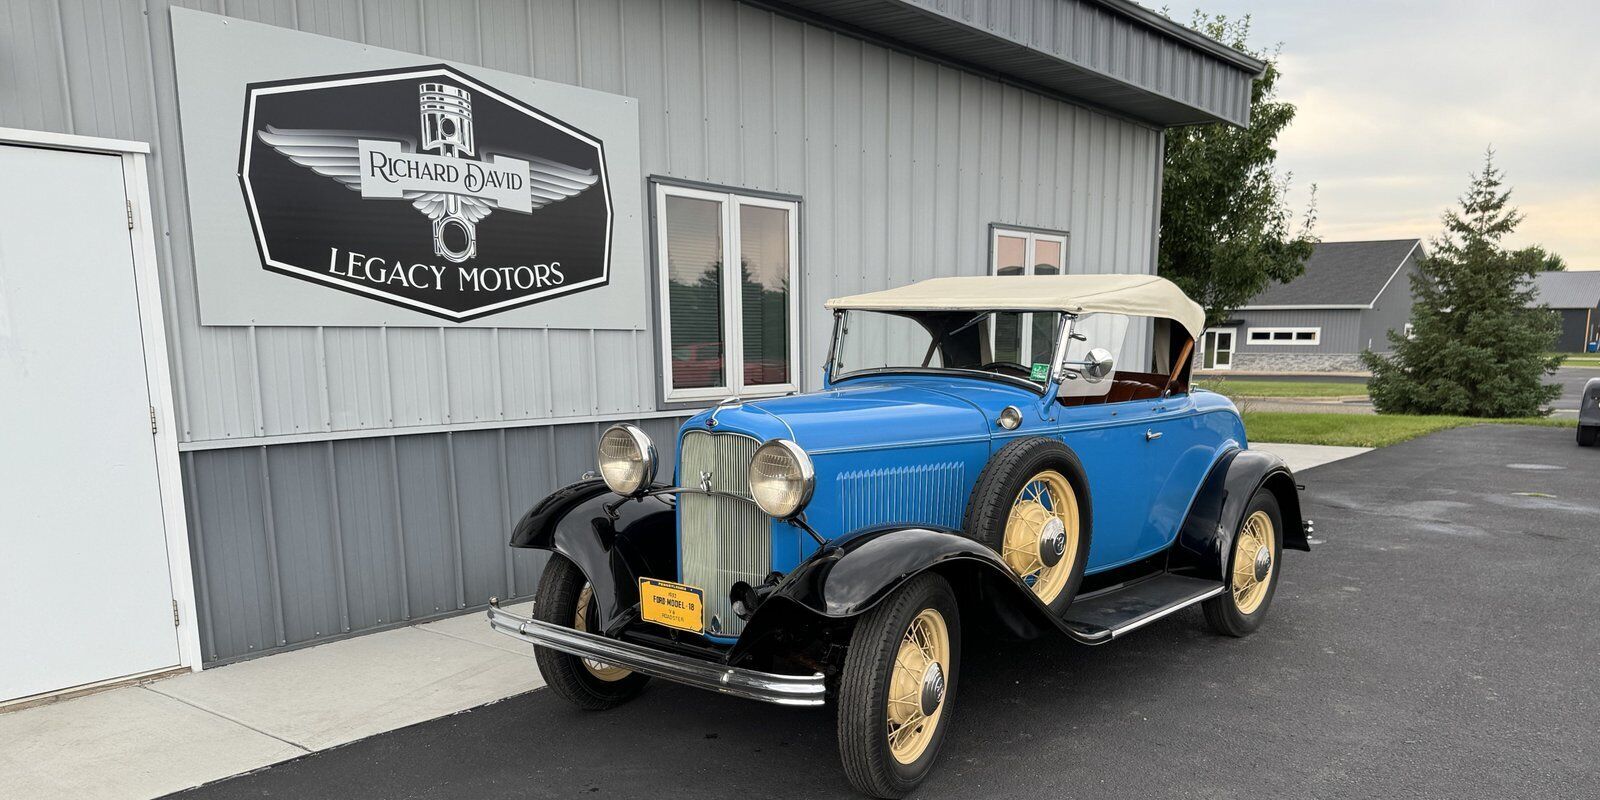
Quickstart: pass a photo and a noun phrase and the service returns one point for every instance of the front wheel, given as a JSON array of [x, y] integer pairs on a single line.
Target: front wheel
[[565, 598], [899, 679], [1252, 569], [1587, 435]]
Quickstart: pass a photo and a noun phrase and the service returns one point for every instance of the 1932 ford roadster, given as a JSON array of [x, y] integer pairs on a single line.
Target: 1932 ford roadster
[[1022, 454]]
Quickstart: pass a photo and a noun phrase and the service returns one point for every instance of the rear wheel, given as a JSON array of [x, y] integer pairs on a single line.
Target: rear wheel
[[899, 678], [566, 598], [1587, 435], [1252, 569]]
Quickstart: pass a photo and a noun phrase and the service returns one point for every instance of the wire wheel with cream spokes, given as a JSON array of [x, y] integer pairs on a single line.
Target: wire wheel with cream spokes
[[1031, 506], [896, 690], [565, 597], [1041, 537], [1252, 575], [583, 621], [916, 690]]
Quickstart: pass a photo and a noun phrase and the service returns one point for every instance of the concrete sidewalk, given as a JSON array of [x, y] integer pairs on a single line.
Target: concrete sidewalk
[[153, 738]]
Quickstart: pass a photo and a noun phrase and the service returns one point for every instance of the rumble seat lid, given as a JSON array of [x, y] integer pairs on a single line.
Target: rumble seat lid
[[1135, 295]]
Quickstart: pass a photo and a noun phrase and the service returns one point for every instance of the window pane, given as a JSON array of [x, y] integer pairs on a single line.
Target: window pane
[[1046, 257], [694, 291], [1010, 258], [764, 293], [1010, 254]]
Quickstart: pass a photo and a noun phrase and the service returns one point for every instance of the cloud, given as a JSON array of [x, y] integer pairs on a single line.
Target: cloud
[[1396, 102]]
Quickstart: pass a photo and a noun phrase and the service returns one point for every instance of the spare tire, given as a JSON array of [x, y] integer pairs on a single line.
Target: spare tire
[[1031, 505]]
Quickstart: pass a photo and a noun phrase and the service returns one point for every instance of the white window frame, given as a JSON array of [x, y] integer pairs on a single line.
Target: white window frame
[[1292, 341], [732, 318], [1233, 347], [1030, 260]]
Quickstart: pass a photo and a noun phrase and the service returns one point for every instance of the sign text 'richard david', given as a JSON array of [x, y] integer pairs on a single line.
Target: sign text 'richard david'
[[388, 184]]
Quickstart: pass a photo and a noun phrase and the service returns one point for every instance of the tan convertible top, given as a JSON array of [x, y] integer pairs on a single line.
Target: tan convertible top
[[1135, 295]]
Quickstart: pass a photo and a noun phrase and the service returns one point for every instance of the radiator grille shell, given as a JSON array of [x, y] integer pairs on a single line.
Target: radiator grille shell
[[722, 539]]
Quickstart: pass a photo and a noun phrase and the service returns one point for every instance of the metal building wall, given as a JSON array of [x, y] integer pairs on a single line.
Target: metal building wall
[[902, 164]]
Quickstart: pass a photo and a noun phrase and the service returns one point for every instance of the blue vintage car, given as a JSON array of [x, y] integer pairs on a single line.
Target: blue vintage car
[[1018, 454]]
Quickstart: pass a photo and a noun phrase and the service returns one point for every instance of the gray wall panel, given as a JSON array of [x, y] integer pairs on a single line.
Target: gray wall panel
[[369, 526], [1390, 311], [236, 579]]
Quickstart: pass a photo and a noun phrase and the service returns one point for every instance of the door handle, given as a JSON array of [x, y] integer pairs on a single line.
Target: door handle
[[1151, 436]]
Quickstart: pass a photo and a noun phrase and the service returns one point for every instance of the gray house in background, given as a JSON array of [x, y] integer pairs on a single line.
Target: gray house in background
[[1577, 296], [1351, 295]]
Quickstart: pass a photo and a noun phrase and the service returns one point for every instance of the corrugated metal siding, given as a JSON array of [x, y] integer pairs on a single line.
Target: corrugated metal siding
[[1079, 47], [298, 543], [901, 162], [1341, 330]]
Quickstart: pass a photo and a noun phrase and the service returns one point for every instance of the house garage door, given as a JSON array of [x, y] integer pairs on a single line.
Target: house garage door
[[84, 578]]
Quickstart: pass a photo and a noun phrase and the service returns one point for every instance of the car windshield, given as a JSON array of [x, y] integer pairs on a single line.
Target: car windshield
[[1015, 346]]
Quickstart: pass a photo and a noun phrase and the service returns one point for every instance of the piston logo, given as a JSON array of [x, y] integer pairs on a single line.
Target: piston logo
[[330, 190]]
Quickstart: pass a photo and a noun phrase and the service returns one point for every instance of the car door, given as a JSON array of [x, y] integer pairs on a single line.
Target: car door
[[1178, 453], [1109, 440]]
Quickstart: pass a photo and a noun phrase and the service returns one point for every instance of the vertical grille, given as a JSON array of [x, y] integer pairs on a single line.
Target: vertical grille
[[725, 539]]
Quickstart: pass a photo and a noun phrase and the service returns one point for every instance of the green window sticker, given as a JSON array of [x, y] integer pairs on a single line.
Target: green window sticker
[[1040, 372]]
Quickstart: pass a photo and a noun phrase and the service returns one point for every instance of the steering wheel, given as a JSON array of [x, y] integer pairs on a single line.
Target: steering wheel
[[1007, 366]]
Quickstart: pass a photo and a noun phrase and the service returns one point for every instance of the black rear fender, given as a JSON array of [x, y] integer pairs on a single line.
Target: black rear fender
[[1206, 538]]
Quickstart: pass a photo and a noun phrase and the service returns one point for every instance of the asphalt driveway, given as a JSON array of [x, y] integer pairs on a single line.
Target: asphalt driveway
[[1441, 642]]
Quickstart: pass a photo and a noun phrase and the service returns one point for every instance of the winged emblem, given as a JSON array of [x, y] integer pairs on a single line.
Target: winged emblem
[[450, 188]]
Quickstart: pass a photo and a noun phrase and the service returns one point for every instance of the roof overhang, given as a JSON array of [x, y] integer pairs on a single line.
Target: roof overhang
[[1110, 54]]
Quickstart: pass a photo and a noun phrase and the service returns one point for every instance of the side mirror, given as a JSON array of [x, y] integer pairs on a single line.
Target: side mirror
[[1098, 365]]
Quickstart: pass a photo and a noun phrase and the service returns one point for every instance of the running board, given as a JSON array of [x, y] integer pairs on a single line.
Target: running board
[[1106, 615]]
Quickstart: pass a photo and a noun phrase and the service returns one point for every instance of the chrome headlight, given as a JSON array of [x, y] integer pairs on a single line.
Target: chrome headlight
[[627, 459], [781, 478]]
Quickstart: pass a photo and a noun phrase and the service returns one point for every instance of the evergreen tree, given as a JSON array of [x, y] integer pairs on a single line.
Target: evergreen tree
[[1476, 347]]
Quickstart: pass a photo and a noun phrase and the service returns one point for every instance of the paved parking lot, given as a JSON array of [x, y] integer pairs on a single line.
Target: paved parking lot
[[1441, 642]]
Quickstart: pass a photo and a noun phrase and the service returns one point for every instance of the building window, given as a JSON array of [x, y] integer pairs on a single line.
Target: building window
[[1284, 336], [1025, 338], [726, 332], [1216, 349]]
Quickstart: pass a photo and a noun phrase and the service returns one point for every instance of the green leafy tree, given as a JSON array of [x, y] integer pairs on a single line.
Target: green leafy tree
[[1547, 261], [1477, 349], [1226, 231]]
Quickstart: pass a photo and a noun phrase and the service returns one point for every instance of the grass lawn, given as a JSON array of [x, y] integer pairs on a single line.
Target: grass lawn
[[1244, 387], [1364, 430], [1581, 360]]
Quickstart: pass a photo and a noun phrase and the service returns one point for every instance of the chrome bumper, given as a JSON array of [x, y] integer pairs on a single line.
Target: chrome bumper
[[785, 690]]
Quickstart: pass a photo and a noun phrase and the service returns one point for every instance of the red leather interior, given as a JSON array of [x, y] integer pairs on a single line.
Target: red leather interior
[[1127, 386]]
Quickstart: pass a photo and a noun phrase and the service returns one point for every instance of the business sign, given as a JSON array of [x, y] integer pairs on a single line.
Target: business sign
[[423, 188], [451, 192]]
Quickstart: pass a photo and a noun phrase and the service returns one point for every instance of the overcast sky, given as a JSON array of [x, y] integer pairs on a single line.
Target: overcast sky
[[1397, 101]]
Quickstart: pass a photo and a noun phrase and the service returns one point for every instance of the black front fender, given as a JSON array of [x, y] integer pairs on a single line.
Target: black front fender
[[1206, 538], [613, 539], [847, 578]]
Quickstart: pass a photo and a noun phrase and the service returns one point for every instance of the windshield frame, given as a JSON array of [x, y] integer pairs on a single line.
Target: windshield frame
[[1045, 389]]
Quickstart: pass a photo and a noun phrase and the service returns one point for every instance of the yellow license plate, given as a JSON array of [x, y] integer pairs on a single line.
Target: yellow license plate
[[672, 604]]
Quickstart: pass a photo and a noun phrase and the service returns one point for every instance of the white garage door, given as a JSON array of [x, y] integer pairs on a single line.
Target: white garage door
[[84, 582]]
